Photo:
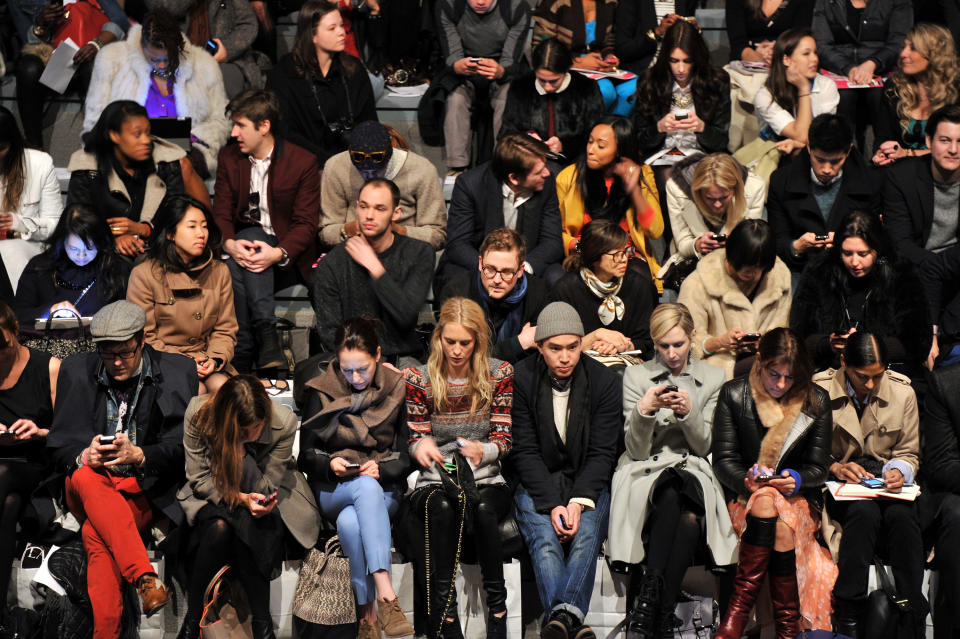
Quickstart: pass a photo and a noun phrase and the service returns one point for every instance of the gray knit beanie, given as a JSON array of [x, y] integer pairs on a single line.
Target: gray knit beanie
[[558, 318]]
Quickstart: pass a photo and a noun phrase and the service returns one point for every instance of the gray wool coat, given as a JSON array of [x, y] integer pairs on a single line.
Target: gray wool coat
[[655, 443], [273, 469]]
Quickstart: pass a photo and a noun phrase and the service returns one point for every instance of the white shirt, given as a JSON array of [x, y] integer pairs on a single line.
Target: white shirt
[[259, 176], [824, 98], [683, 141], [511, 202]]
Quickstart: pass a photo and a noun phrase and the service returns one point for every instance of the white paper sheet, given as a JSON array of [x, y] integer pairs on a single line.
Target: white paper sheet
[[60, 68]]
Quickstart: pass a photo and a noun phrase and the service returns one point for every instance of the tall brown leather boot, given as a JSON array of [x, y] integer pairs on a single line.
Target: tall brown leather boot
[[756, 545], [785, 594]]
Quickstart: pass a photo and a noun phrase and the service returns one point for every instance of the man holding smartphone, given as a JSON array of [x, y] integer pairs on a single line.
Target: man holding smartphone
[[117, 434]]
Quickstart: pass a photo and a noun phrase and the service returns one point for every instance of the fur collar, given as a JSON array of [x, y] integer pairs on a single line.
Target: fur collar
[[777, 417], [717, 283]]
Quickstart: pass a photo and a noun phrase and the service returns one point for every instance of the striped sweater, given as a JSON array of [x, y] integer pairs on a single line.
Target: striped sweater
[[491, 425]]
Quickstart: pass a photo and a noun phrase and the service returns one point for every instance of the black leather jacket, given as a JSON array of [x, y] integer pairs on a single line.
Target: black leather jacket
[[737, 433]]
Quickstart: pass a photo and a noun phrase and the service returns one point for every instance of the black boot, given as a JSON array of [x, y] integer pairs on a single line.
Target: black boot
[[190, 629], [271, 355], [263, 629], [496, 626], [846, 617], [451, 627], [642, 620], [668, 622]]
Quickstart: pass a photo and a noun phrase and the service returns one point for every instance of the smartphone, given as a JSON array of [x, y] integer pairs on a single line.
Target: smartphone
[[106, 440], [7, 436], [267, 499], [874, 483], [681, 116], [765, 477], [670, 388], [750, 337], [563, 523], [353, 466], [211, 47], [820, 237], [719, 237], [475, 60]]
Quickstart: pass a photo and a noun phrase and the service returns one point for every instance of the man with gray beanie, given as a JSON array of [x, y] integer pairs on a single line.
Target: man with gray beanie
[[423, 213], [117, 435], [567, 420]]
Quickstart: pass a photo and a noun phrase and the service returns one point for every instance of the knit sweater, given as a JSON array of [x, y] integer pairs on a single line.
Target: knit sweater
[[342, 289], [490, 425]]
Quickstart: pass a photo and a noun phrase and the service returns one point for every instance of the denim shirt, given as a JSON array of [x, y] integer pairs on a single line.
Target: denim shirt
[[127, 422]]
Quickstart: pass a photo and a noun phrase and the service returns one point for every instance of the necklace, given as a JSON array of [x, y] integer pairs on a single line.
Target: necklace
[[682, 99]]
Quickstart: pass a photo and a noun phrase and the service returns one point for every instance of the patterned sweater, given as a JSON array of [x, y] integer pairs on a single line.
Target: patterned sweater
[[491, 425]]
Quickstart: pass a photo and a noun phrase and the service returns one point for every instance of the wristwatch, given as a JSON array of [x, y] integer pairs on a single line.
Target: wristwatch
[[286, 258]]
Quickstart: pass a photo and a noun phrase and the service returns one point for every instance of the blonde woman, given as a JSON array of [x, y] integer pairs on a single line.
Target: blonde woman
[[666, 502], [925, 80], [458, 411], [706, 197]]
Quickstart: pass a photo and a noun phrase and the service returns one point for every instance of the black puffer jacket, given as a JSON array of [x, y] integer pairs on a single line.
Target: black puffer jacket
[[738, 432]]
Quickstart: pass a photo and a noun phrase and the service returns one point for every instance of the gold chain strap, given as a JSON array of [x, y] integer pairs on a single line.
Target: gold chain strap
[[462, 499]]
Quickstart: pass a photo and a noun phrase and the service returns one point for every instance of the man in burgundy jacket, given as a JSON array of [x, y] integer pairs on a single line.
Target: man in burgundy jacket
[[267, 205]]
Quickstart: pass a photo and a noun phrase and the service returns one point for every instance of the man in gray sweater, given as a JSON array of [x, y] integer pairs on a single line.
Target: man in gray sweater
[[482, 40], [375, 273]]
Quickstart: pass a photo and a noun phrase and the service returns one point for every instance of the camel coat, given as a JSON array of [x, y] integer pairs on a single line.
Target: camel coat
[[717, 305], [271, 468], [655, 443], [188, 313]]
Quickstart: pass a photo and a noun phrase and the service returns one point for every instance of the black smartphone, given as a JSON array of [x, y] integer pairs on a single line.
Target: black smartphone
[[106, 440], [750, 337], [475, 60], [820, 237], [267, 499], [211, 47], [670, 388], [563, 523], [719, 237], [353, 466], [765, 477], [681, 116]]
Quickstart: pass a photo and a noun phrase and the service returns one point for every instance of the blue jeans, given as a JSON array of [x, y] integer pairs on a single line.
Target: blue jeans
[[564, 578], [362, 511]]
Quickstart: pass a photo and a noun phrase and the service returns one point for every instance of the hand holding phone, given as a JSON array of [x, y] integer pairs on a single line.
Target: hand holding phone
[[873, 482], [669, 388], [352, 466], [107, 440], [821, 237], [719, 237], [266, 501]]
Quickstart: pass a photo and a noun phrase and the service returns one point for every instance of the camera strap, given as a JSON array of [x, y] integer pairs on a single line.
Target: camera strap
[[346, 93]]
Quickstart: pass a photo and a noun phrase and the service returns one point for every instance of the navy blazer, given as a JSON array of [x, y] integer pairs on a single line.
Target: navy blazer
[[80, 414]]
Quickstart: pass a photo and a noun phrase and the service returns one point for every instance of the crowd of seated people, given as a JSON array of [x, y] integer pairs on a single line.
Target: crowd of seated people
[[793, 303]]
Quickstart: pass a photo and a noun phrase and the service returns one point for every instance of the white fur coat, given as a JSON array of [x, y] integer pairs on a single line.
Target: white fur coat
[[121, 72]]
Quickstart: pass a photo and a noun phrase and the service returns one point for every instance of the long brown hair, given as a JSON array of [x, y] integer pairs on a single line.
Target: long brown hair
[[784, 93], [240, 403], [12, 167], [304, 51], [596, 238], [467, 313], [784, 346], [935, 43]]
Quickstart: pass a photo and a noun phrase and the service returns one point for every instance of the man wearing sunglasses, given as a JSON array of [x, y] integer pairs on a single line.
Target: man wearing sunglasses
[[117, 435], [267, 197], [423, 213]]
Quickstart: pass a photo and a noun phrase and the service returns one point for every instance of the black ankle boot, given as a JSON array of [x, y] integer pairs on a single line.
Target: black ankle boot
[[190, 629], [271, 355], [263, 629], [642, 620], [846, 617], [668, 621], [451, 627], [496, 626]]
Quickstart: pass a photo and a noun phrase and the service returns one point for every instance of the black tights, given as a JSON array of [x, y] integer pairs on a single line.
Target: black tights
[[674, 532], [219, 546], [17, 480]]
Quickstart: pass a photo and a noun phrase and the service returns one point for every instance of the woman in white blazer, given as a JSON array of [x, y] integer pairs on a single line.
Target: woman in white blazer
[[30, 203]]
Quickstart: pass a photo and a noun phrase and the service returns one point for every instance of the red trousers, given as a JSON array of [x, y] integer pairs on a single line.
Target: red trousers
[[113, 511]]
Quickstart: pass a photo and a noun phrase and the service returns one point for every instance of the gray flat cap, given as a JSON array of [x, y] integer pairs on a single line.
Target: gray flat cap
[[117, 322], [558, 318]]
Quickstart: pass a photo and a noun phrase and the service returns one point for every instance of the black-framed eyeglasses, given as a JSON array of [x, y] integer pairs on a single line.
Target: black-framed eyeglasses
[[112, 356], [622, 254], [506, 275], [376, 156], [252, 214]]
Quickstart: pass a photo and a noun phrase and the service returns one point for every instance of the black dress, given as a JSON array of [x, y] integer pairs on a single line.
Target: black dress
[[747, 28], [29, 399], [638, 297]]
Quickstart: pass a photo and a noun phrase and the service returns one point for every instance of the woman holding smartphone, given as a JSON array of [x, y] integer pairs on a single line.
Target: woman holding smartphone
[[771, 444], [666, 502], [458, 412], [876, 439], [243, 495], [353, 449]]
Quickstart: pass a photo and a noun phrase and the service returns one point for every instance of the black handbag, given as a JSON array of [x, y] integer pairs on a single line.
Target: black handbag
[[60, 343], [888, 616]]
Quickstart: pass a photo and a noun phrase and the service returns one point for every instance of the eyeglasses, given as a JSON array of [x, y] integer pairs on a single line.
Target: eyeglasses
[[623, 254], [375, 156], [506, 275], [252, 214], [111, 356]]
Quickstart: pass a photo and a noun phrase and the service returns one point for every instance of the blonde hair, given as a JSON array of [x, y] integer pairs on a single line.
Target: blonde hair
[[467, 313], [668, 316], [720, 170], [935, 43]]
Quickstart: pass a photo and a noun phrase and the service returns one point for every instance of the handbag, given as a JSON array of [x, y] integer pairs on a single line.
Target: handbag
[[676, 270], [699, 617], [887, 616], [226, 613], [84, 22], [324, 594], [58, 345]]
